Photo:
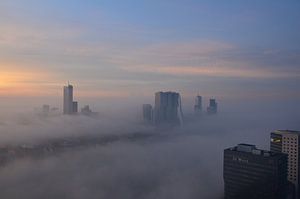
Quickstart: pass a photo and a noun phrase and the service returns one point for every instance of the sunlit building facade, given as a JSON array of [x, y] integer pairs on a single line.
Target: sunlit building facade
[[287, 141]]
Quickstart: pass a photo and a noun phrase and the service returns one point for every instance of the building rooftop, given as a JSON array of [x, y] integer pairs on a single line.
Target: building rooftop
[[251, 149], [286, 132]]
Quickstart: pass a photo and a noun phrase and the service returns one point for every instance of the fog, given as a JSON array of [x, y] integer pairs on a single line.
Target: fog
[[184, 162]]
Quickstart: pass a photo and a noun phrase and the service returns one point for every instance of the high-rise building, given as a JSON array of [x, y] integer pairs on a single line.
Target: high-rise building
[[287, 141], [147, 113], [198, 105], [213, 107], [251, 173], [167, 110], [69, 106]]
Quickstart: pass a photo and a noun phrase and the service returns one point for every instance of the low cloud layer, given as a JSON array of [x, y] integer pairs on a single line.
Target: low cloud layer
[[180, 163]]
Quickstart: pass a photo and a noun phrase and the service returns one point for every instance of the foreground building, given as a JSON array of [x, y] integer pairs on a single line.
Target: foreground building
[[167, 110], [250, 173], [287, 141]]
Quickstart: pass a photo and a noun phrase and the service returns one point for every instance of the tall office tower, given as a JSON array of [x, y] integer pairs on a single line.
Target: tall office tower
[[147, 113], [68, 99], [198, 105], [167, 110], [70, 106], [250, 173], [213, 107], [287, 141]]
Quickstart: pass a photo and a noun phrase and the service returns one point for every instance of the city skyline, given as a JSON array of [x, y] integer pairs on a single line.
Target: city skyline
[[230, 50], [160, 99]]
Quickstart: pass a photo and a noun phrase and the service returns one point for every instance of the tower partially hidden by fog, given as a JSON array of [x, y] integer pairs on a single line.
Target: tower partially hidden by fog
[[287, 141], [69, 106], [250, 173], [198, 105], [147, 113], [167, 110], [213, 107]]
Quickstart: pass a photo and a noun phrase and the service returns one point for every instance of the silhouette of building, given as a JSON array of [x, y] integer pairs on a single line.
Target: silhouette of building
[[86, 110], [147, 113], [287, 141], [198, 105], [75, 107], [167, 110], [213, 107], [250, 173], [69, 106]]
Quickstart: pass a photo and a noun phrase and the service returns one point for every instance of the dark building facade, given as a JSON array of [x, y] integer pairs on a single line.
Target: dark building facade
[[288, 142], [167, 110], [250, 173]]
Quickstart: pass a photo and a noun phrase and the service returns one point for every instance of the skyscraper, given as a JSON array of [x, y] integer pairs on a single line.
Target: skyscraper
[[213, 107], [147, 113], [287, 141], [198, 105], [69, 106], [167, 110], [250, 173]]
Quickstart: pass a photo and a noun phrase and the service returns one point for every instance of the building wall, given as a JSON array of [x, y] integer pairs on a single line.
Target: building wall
[[254, 176], [68, 99]]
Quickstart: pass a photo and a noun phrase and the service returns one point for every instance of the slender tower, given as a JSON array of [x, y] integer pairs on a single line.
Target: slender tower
[[68, 99]]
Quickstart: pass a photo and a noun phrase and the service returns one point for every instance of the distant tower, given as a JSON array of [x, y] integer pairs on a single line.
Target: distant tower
[[86, 110], [69, 106], [198, 105], [213, 107], [167, 108], [68, 99], [250, 173], [147, 113], [75, 107]]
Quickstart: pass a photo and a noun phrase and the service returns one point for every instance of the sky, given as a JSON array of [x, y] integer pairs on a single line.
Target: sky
[[132, 48]]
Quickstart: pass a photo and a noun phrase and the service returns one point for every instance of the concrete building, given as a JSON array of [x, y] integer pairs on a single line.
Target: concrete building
[[213, 107], [147, 113], [250, 173], [69, 106], [287, 141], [167, 110]]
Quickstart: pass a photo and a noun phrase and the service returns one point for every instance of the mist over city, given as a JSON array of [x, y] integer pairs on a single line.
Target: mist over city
[[149, 99]]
